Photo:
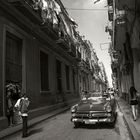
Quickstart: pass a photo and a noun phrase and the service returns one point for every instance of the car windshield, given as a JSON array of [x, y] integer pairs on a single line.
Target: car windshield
[[94, 97]]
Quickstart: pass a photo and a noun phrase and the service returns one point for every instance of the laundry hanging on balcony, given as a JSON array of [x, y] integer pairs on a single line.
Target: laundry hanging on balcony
[[49, 10]]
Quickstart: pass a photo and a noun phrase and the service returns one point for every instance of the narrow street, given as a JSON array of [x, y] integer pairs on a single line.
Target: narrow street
[[56, 53], [61, 128]]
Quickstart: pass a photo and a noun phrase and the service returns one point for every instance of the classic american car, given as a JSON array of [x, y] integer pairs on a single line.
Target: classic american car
[[95, 109]]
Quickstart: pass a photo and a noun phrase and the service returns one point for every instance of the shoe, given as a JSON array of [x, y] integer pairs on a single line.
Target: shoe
[[134, 119]]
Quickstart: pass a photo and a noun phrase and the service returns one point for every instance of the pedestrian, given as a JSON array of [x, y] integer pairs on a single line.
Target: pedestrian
[[22, 105], [82, 94], [10, 109], [134, 102]]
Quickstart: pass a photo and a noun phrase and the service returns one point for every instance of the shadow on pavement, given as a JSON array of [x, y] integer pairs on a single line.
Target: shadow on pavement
[[96, 126], [31, 132]]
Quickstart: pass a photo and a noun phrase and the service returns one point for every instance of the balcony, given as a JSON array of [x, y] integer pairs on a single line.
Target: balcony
[[120, 17], [109, 30], [26, 8], [114, 72], [78, 56], [114, 64], [35, 14], [84, 65], [51, 30], [87, 62], [63, 43], [72, 50], [110, 13]]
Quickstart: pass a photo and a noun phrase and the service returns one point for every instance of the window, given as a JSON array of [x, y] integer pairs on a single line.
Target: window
[[13, 62], [67, 77], [44, 71], [74, 80], [13, 58], [58, 75]]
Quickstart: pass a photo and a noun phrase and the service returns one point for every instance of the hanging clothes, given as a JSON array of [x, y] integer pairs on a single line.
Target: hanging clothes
[[66, 24], [57, 8]]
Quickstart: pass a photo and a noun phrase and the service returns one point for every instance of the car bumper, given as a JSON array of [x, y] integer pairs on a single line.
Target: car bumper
[[93, 121]]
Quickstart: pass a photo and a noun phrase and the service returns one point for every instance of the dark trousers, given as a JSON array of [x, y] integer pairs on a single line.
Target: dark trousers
[[24, 129]]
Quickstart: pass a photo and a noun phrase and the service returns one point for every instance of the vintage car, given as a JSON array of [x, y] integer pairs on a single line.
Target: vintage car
[[95, 109]]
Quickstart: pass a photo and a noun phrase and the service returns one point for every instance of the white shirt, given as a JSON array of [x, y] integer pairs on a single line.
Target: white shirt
[[18, 104]]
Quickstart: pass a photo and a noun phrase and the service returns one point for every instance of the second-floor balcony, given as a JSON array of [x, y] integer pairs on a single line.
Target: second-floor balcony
[[72, 50], [26, 8], [63, 43], [32, 10], [69, 46]]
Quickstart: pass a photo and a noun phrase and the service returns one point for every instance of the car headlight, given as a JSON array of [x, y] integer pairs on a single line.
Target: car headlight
[[73, 114], [108, 108], [73, 108], [109, 114]]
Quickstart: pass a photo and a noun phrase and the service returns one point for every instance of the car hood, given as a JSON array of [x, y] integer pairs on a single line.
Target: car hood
[[92, 106]]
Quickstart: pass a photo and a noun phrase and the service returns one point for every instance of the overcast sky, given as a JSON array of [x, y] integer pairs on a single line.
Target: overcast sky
[[91, 24]]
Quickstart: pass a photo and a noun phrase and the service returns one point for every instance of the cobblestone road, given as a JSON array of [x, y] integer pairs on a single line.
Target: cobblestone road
[[61, 128]]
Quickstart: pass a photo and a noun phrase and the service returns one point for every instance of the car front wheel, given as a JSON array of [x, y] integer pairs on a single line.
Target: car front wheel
[[112, 124], [76, 124]]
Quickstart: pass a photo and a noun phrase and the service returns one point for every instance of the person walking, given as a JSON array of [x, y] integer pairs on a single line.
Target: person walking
[[134, 102], [22, 105], [10, 109]]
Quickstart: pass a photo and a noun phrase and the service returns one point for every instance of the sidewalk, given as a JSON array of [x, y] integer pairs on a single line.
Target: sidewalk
[[11, 130], [133, 126]]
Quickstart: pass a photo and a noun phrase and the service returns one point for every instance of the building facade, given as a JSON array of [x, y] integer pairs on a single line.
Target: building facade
[[124, 17], [44, 56], [38, 56]]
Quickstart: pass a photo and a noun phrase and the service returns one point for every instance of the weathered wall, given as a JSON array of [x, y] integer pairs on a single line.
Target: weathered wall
[[31, 73]]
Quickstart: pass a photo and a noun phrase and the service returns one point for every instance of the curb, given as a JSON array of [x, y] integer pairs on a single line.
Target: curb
[[131, 128], [9, 131]]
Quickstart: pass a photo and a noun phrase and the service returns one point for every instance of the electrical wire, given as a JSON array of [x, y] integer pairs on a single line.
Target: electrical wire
[[80, 9]]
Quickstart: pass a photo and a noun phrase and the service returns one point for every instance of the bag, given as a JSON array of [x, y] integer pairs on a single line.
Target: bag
[[23, 107]]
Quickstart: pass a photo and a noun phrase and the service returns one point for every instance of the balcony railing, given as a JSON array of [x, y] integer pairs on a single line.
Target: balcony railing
[[114, 64], [35, 14], [63, 43], [83, 65], [120, 17], [26, 8], [109, 29], [72, 50]]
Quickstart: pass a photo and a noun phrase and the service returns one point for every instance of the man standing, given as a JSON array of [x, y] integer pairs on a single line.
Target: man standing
[[22, 105]]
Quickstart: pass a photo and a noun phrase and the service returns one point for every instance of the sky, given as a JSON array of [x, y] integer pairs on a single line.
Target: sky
[[91, 24]]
